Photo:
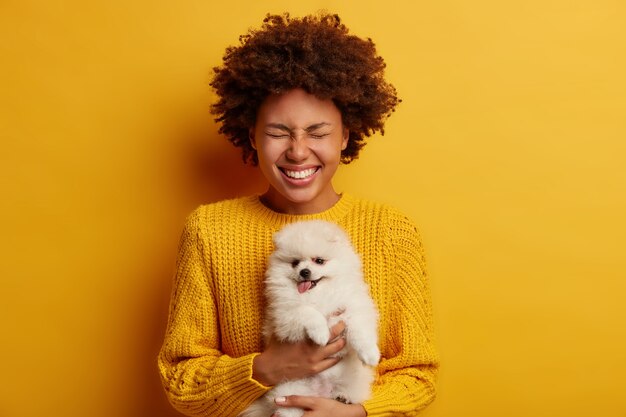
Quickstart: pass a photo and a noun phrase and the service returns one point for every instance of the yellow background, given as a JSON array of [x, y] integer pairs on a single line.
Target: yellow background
[[508, 150]]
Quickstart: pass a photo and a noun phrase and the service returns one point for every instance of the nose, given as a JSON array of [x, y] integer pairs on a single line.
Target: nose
[[298, 149], [305, 273]]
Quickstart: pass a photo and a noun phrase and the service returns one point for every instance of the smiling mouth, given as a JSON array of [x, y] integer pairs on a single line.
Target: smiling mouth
[[299, 175], [304, 286]]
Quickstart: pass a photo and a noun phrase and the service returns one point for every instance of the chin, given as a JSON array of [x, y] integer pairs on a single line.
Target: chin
[[314, 280]]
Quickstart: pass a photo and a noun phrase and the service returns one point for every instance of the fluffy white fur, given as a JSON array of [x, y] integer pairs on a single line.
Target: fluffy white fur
[[295, 314]]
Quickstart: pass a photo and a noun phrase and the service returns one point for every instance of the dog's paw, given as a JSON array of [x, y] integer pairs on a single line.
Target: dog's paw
[[289, 412], [342, 399], [370, 355], [320, 334]]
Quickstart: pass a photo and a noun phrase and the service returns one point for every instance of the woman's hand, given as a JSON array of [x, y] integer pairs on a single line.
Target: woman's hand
[[321, 407], [286, 361]]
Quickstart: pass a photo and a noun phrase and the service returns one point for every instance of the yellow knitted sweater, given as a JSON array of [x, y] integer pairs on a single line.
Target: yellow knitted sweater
[[216, 310]]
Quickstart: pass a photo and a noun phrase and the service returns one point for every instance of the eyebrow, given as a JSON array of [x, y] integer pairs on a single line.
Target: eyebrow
[[311, 128]]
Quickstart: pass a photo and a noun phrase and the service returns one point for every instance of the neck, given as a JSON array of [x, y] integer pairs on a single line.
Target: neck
[[277, 202]]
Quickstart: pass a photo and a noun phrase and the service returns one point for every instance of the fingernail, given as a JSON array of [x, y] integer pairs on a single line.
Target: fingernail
[[280, 399]]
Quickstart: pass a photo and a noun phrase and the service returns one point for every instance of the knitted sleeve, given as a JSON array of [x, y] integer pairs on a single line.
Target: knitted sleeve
[[199, 380], [407, 373]]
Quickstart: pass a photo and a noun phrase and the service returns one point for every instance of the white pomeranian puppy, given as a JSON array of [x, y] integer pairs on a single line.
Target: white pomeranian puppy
[[313, 281]]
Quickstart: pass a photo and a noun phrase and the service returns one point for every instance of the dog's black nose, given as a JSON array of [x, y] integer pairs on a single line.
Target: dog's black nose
[[305, 273]]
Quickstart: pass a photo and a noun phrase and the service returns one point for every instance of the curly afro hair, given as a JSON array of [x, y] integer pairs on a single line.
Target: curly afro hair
[[315, 53]]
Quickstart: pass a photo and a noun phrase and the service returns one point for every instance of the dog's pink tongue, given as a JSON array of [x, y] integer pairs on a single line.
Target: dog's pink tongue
[[304, 286]]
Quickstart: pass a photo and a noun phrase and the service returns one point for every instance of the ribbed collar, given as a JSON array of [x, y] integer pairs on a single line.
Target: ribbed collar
[[333, 214]]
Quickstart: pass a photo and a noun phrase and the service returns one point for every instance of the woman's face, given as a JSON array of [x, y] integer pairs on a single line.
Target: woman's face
[[299, 139]]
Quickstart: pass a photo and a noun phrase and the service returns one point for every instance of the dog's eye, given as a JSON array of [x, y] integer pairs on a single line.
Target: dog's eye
[[319, 261], [295, 263]]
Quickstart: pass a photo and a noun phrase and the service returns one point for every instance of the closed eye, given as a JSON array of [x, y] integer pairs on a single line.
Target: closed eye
[[277, 135], [318, 135]]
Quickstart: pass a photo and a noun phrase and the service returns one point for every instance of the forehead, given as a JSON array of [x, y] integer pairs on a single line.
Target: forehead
[[298, 109]]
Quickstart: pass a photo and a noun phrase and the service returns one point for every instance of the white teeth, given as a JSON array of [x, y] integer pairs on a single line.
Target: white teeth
[[300, 174]]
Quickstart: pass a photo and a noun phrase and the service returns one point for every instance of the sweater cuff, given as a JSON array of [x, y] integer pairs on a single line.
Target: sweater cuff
[[389, 399], [378, 405], [237, 377], [264, 387]]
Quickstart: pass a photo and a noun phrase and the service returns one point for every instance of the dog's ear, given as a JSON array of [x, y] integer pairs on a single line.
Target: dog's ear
[[337, 236], [279, 240], [276, 240]]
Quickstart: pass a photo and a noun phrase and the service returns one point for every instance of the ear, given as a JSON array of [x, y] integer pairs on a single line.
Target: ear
[[340, 237], [277, 239], [344, 140], [251, 137], [336, 234]]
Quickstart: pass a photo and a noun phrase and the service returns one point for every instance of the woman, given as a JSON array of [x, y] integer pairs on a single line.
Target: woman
[[298, 96]]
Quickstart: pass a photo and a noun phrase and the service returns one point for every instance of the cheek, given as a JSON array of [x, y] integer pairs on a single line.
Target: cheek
[[270, 150], [328, 154]]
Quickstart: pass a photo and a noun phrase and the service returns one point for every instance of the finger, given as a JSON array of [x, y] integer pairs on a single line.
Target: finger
[[337, 330], [333, 347], [325, 352], [324, 364], [299, 401]]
